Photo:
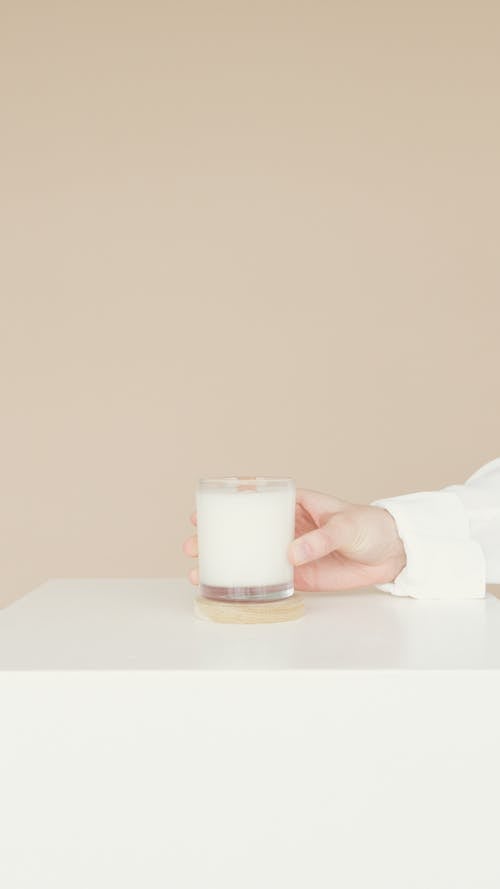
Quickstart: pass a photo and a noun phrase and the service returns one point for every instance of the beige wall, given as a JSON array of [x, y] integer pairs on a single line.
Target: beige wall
[[239, 238]]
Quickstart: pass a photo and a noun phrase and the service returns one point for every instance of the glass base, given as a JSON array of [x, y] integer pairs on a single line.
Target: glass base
[[268, 593]]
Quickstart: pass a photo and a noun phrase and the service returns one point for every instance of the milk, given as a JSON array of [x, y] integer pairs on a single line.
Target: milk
[[243, 536]]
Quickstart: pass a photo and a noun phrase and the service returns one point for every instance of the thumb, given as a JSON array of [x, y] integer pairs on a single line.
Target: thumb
[[336, 533]]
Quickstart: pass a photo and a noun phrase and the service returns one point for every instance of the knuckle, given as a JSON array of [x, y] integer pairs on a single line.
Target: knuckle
[[325, 538]]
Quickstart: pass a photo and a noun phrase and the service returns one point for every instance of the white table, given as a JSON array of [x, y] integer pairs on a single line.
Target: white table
[[142, 747]]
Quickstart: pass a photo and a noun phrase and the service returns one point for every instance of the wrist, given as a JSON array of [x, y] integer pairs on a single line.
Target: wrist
[[396, 554]]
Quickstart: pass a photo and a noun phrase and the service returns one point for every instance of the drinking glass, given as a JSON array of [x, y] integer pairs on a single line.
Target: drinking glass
[[244, 528]]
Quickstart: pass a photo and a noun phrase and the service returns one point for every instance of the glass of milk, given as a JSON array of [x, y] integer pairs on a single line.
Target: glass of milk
[[244, 528]]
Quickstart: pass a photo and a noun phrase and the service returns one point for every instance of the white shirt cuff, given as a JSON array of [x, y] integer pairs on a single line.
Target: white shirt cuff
[[442, 560]]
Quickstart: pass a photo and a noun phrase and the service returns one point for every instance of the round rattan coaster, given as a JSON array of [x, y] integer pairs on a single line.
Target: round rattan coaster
[[249, 612]]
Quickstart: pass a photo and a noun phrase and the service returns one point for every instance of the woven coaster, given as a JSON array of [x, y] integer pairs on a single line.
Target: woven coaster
[[249, 612]]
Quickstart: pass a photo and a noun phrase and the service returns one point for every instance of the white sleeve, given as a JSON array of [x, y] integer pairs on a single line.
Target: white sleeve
[[451, 538]]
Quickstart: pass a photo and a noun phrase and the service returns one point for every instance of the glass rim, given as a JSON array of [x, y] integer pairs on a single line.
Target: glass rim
[[233, 481]]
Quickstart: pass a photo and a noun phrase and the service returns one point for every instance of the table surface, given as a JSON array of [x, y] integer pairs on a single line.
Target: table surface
[[134, 624]]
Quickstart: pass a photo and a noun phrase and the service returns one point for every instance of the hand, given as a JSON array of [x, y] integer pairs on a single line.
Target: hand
[[190, 547], [338, 545]]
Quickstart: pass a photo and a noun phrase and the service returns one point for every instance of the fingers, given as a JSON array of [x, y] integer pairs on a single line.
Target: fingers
[[319, 506], [336, 533], [190, 546]]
